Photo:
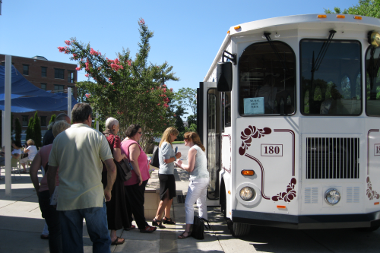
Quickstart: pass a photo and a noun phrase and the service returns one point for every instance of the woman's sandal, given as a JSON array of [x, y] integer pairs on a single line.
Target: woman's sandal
[[182, 236], [148, 229], [117, 242], [157, 223], [168, 221]]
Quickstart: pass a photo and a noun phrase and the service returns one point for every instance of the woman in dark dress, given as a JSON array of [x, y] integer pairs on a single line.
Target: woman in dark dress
[[117, 215]]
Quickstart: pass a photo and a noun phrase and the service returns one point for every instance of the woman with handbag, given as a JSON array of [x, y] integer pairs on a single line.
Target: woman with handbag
[[135, 186], [116, 208], [199, 180]]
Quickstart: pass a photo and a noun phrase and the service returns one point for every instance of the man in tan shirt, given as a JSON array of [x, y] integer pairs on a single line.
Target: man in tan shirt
[[78, 152]]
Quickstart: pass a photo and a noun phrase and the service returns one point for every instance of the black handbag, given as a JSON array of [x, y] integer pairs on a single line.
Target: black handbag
[[124, 169], [155, 160], [199, 227]]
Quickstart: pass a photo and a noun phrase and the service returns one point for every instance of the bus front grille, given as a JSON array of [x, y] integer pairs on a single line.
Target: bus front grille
[[332, 158]]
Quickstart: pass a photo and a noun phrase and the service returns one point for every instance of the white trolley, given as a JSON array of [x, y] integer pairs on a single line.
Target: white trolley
[[289, 115]]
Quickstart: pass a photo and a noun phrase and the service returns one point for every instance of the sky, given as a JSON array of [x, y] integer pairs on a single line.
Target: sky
[[187, 34]]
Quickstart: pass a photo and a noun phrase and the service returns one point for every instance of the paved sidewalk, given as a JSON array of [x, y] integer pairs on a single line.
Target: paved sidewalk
[[21, 224]]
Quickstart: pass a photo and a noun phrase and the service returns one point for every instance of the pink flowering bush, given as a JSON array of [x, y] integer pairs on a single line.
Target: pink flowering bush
[[131, 90]]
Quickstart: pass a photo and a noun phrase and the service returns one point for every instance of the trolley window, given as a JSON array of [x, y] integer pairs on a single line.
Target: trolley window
[[267, 80], [330, 78], [372, 67]]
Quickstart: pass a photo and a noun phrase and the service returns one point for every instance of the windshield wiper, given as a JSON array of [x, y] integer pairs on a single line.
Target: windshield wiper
[[322, 52]]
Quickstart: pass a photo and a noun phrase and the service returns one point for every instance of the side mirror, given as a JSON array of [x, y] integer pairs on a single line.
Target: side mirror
[[224, 76]]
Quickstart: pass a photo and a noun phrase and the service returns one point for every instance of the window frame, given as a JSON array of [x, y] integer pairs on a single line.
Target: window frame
[[25, 72], [59, 73], [43, 72], [295, 90], [301, 100]]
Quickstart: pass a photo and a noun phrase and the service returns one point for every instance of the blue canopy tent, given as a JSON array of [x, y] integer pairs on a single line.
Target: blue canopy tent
[[26, 97]]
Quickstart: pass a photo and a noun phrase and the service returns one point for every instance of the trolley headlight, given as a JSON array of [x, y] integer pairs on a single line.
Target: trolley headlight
[[247, 193], [332, 196]]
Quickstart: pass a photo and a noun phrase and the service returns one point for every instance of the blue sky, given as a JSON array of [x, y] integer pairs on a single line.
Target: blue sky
[[187, 34]]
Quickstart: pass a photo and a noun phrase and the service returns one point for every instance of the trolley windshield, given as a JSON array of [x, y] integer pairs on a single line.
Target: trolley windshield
[[331, 82]]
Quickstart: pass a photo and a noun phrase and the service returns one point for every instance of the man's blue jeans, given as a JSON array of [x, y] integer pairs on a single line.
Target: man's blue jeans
[[97, 227]]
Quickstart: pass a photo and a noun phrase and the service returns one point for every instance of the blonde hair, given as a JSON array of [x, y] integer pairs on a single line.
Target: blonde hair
[[166, 135], [29, 142], [195, 138], [60, 126]]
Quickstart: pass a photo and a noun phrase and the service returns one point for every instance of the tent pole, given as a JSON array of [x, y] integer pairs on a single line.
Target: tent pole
[[69, 107], [7, 126]]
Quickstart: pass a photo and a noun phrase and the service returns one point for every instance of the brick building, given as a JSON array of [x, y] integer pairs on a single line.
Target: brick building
[[47, 75]]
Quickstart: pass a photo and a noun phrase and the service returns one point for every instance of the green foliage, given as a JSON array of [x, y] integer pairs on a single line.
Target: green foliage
[[131, 90], [18, 130], [29, 129], [369, 8], [192, 119], [192, 128], [186, 97], [37, 130], [52, 118], [179, 122]]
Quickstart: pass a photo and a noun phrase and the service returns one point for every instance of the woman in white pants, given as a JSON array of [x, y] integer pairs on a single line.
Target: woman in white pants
[[199, 179]]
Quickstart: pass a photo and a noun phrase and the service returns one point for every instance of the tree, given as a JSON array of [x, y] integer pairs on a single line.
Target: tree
[[186, 97], [18, 130], [52, 118], [192, 119], [369, 8], [130, 90], [29, 129], [179, 122], [37, 130]]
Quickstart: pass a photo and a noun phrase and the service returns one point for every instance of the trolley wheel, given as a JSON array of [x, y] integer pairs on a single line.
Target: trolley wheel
[[238, 229]]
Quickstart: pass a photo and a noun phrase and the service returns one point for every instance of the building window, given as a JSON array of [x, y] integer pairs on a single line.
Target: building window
[[25, 120], [43, 71], [59, 73], [71, 77], [43, 86], [58, 88], [43, 121], [25, 69]]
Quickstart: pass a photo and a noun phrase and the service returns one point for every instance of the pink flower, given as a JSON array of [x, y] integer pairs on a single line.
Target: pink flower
[[164, 85], [142, 21], [129, 62], [61, 49], [88, 95], [166, 105], [67, 42], [86, 75], [164, 89], [171, 89], [78, 68], [111, 83], [174, 115], [93, 52], [116, 61]]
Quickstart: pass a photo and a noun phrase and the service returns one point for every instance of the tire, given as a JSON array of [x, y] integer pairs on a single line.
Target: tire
[[238, 229]]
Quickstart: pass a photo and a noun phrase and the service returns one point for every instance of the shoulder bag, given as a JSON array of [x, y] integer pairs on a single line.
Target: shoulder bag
[[123, 167]]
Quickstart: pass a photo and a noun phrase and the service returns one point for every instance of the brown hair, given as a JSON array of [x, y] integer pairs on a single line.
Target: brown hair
[[195, 138], [167, 133]]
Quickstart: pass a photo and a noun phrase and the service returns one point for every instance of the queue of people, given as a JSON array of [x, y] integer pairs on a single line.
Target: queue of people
[[85, 188]]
